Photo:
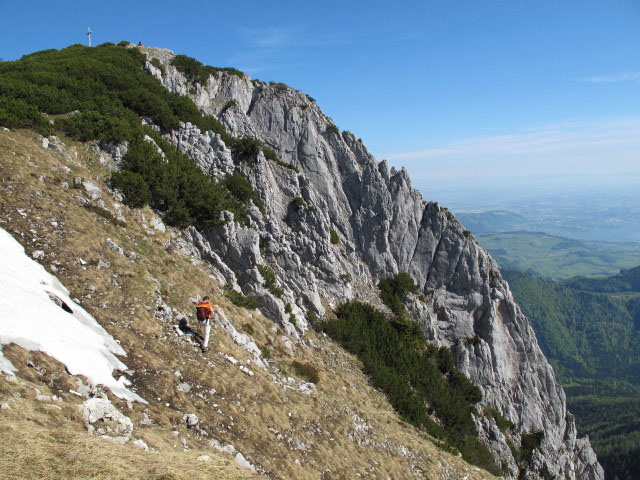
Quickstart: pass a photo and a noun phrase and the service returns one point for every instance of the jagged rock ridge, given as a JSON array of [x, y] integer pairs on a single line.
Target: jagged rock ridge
[[384, 227]]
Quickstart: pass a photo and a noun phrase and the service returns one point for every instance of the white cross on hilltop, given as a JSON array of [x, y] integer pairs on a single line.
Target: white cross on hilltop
[[89, 35]]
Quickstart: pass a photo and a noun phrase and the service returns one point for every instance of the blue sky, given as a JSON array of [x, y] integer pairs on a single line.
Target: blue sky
[[455, 90]]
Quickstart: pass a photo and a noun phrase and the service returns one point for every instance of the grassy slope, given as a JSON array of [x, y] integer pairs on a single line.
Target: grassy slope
[[556, 257], [261, 418]]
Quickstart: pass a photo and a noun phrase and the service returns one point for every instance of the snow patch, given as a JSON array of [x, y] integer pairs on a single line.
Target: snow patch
[[30, 318]]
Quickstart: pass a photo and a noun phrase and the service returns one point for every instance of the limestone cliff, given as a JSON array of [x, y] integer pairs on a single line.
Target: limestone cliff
[[383, 226]]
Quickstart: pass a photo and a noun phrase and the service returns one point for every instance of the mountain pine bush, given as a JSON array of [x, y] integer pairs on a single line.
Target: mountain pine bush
[[418, 378], [101, 93]]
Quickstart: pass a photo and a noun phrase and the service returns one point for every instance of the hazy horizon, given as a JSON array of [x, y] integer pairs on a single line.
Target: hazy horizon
[[491, 90]]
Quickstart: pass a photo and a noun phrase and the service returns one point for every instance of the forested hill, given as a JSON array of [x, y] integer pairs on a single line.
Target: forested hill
[[592, 339], [584, 334], [626, 281]]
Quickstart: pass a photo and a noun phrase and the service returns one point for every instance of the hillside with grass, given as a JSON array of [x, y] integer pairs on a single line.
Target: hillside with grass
[[337, 427], [363, 330]]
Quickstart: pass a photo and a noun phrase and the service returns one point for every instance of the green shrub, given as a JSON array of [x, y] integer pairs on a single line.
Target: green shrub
[[247, 148], [241, 189], [290, 166], [292, 319], [240, 300], [333, 236], [248, 328], [287, 308], [107, 85], [333, 129], [281, 87], [312, 316], [310, 98], [298, 202], [193, 70], [16, 113], [345, 277], [156, 63], [503, 423], [306, 371], [123, 43], [419, 379], [528, 443], [467, 234], [270, 154], [393, 292], [228, 105], [270, 280], [133, 186], [106, 214], [196, 72], [179, 188], [109, 88], [475, 340], [266, 352]]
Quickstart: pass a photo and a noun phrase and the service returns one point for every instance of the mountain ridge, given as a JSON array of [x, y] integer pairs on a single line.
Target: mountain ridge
[[407, 229], [383, 227]]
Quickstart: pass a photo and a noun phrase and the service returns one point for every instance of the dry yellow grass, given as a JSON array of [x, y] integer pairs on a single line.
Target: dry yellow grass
[[38, 441], [346, 430]]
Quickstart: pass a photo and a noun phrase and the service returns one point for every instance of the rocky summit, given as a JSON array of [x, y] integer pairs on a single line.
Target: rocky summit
[[330, 221]]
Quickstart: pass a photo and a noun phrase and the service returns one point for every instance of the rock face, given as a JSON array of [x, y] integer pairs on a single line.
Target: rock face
[[383, 226]]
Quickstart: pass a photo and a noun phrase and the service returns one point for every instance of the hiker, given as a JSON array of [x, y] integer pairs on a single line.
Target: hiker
[[204, 310]]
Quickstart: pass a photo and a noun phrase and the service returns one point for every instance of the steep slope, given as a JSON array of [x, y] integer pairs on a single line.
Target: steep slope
[[384, 227], [327, 222], [128, 270]]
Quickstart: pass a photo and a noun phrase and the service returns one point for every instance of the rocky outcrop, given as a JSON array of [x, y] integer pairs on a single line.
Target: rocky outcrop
[[383, 226]]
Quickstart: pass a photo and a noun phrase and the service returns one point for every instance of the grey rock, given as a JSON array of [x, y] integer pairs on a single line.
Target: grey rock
[[115, 247], [184, 387], [157, 224], [191, 419], [243, 462], [4, 406], [93, 192], [116, 151], [230, 449], [138, 443], [101, 416]]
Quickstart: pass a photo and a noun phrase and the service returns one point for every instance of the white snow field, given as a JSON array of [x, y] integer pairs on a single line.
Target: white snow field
[[31, 319]]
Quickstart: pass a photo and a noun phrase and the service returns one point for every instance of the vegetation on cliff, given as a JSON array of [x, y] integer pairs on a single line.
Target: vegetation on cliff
[[419, 379]]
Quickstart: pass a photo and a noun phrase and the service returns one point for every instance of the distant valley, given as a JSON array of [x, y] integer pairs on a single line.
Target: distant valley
[[557, 257], [589, 329], [606, 214], [572, 262]]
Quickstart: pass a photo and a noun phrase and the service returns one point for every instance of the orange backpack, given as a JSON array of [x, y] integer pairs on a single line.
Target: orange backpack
[[203, 310]]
